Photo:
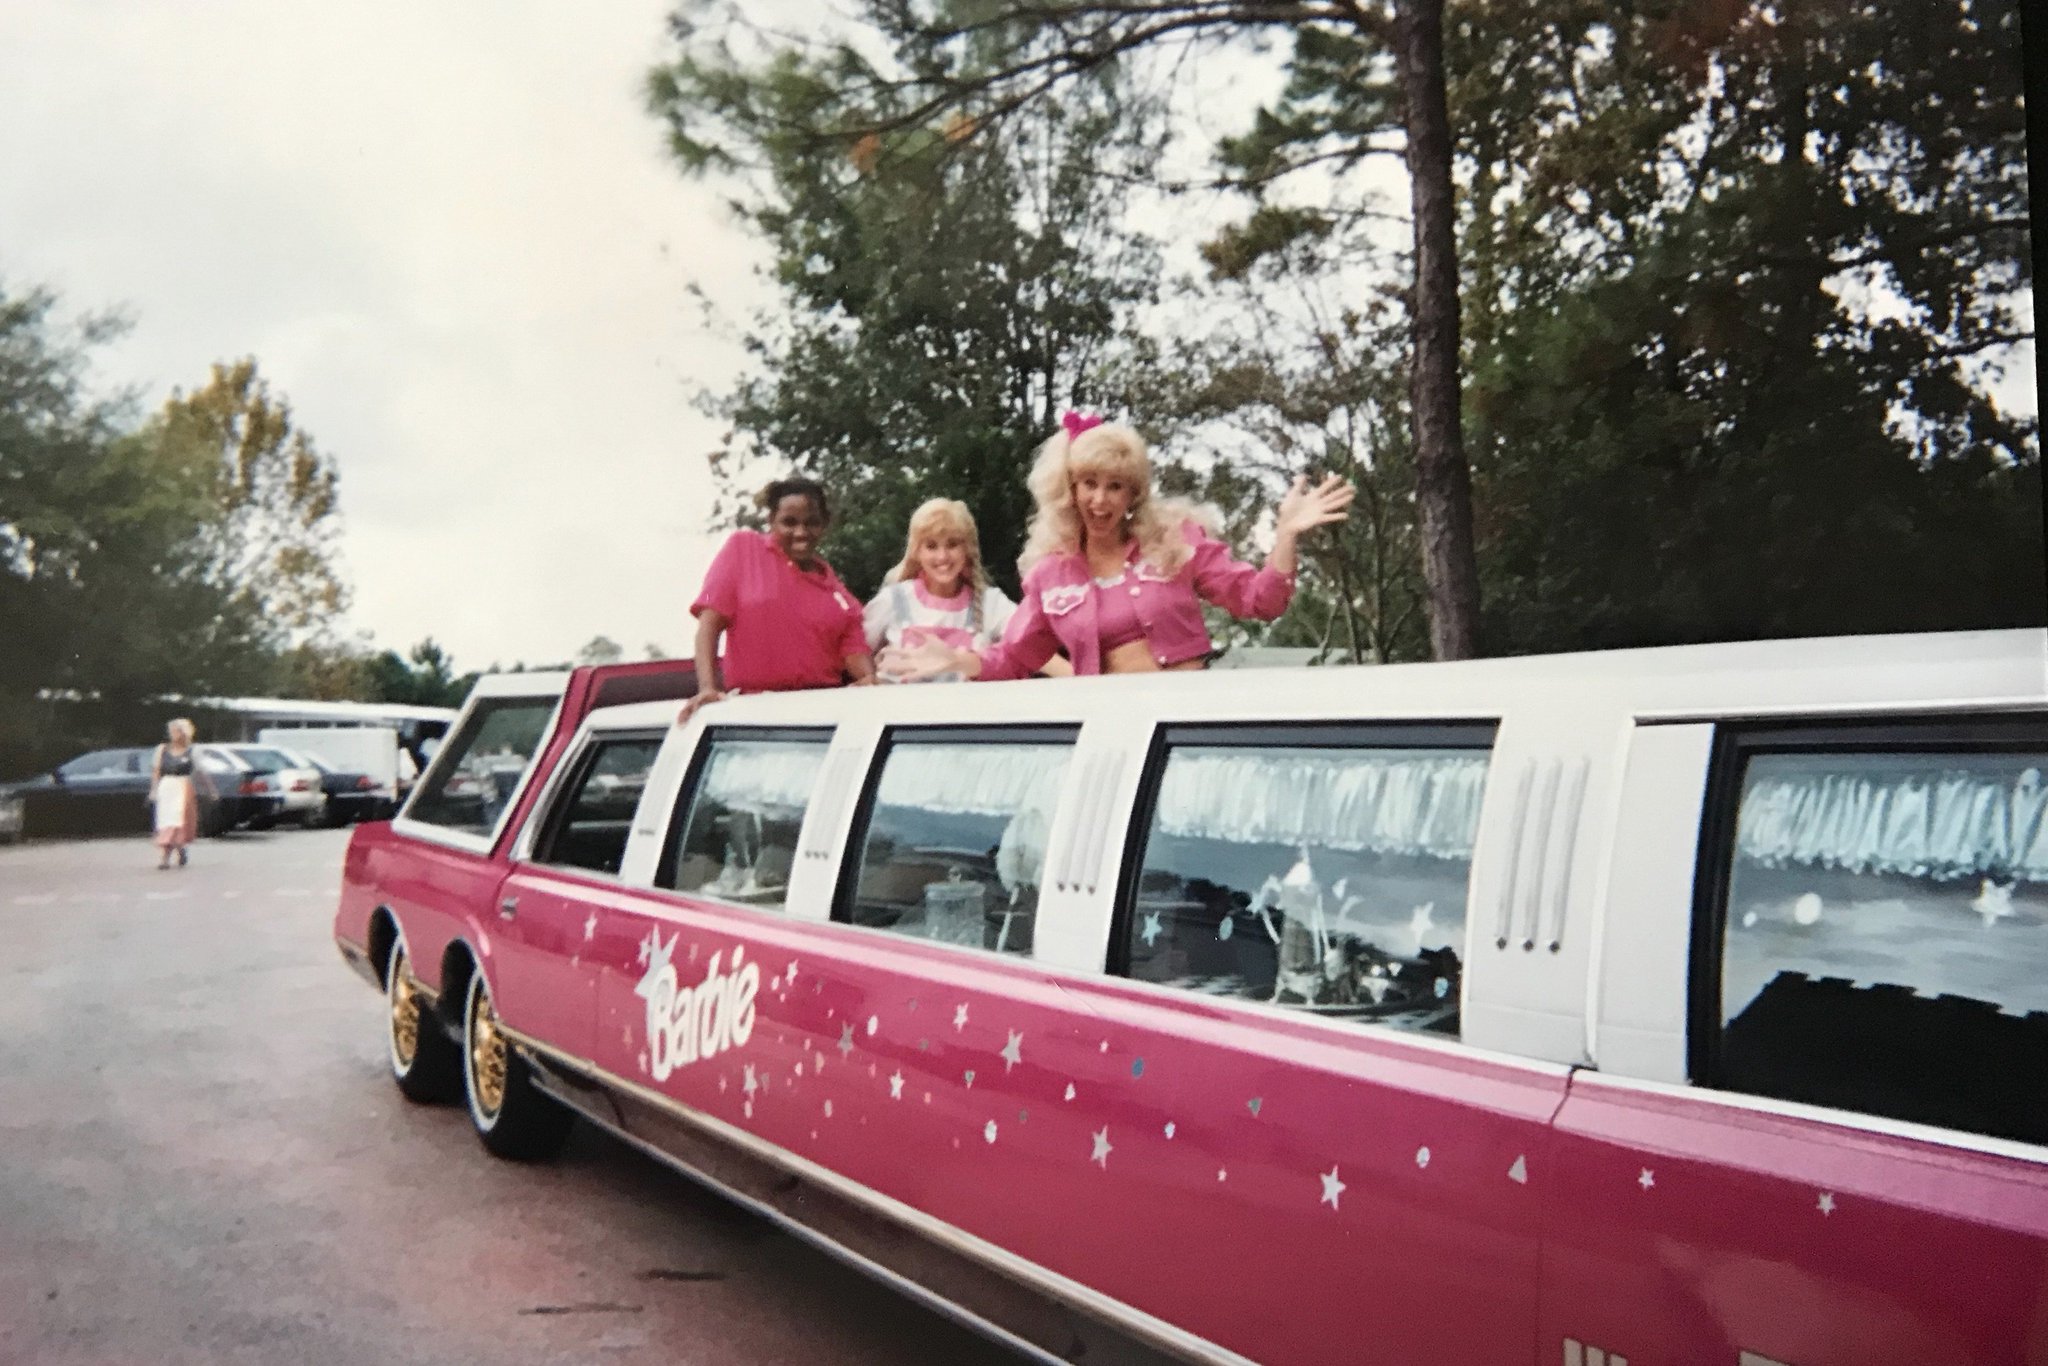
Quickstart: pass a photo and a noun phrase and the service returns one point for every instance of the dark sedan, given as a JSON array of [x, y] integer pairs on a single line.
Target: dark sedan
[[351, 797], [106, 792]]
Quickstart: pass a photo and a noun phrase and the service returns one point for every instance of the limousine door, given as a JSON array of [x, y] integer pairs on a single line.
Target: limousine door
[[1820, 1132], [562, 887]]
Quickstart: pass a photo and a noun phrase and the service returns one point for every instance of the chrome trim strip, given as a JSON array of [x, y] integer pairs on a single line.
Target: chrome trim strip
[[1511, 855], [1156, 1331], [1821, 1114], [1558, 893], [358, 958]]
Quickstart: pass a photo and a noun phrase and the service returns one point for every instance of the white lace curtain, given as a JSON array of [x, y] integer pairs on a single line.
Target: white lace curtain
[[764, 775], [974, 780], [1385, 801], [1939, 816], [977, 780]]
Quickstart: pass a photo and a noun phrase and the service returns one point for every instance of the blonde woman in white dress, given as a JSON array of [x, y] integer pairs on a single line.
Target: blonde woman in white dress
[[171, 795]]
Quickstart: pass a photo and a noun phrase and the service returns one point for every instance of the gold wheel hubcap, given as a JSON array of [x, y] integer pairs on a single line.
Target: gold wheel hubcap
[[486, 1055], [405, 1013]]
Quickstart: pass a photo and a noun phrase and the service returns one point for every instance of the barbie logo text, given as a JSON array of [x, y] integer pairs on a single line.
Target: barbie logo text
[[688, 1023]]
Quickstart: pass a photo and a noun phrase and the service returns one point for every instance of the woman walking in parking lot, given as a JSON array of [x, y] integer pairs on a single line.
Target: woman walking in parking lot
[[171, 797]]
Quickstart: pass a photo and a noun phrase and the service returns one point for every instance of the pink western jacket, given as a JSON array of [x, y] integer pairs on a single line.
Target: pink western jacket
[[1058, 612]]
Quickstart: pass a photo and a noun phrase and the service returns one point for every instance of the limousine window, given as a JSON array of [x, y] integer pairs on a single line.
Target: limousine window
[[1329, 876], [952, 838], [745, 804], [478, 768], [1884, 936], [589, 824]]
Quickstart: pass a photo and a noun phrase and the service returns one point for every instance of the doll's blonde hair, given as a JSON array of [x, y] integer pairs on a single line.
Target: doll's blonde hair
[[1118, 452], [181, 729], [936, 517]]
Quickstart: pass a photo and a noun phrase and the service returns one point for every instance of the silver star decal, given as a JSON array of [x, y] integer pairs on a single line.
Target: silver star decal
[[590, 926], [1332, 1188], [1152, 930], [1013, 1051], [751, 1084], [989, 1131], [1103, 1148], [960, 1017], [896, 1085], [845, 1040]]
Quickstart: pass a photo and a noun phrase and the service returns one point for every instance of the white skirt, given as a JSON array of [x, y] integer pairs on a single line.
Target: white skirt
[[173, 799]]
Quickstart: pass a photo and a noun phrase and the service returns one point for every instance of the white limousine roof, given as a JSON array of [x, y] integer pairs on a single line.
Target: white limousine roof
[[1971, 671]]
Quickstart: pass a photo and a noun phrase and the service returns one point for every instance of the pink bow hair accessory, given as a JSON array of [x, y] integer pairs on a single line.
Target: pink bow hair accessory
[[1077, 423]]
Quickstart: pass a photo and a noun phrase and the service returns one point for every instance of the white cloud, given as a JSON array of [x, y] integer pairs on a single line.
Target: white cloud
[[450, 235]]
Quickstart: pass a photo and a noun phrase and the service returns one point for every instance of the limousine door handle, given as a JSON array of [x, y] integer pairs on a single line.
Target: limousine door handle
[[508, 907]]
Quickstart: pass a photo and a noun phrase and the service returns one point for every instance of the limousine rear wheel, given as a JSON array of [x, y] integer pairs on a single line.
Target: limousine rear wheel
[[424, 1061], [512, 1116]]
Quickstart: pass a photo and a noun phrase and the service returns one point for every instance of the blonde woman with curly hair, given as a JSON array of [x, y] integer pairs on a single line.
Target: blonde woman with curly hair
[[1115, 577], [940, 591]]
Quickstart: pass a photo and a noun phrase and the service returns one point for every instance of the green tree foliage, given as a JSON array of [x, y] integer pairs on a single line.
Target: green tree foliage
[[1738, 276], [601, 649], [104, 589], [424, 677], [173, 558], [1304, 383], [270, 542], [947, 287], [981, 63]]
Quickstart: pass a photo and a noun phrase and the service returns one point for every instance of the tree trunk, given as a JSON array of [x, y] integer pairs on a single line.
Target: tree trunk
[[1443, 479]]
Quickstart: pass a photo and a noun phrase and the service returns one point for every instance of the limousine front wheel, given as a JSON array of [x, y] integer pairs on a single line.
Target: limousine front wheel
[[512, 1117], [424, 1060]]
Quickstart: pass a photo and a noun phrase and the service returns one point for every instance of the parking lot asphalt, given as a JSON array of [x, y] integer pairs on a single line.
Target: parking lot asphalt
[[202, 1160]]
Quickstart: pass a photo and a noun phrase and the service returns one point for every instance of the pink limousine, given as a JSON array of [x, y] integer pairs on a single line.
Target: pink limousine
[[1665, 1006]]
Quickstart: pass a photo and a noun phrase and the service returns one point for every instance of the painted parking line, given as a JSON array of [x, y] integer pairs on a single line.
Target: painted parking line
[[36, 899], [165, 896]]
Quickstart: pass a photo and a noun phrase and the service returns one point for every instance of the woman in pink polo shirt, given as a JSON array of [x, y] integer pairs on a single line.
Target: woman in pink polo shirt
[[786, 619], [1115, 578]]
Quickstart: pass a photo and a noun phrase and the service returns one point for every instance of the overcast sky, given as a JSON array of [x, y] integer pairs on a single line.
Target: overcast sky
[[450, 236]]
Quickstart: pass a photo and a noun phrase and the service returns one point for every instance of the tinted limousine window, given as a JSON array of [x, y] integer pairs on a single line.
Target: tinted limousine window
[[1884, 931], [735, 832], [952, 836], [590, 822], [1321, 868], [478, 769]]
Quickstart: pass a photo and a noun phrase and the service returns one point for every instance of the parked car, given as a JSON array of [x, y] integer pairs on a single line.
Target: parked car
[[106, 792], [244, 793], [351, 796], [294, 781]]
